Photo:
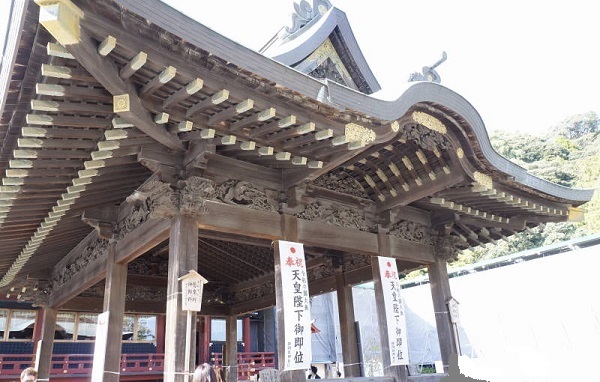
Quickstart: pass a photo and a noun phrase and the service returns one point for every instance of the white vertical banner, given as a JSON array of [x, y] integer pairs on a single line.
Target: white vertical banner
[[394, 311], [296, 306], [100, 347]]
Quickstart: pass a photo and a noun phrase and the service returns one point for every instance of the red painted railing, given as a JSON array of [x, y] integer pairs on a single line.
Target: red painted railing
[[78, 364], [12, 364], [65, 365], [248, 363]]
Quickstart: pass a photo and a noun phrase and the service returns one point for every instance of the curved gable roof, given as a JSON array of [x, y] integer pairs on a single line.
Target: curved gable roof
[[293, 48]]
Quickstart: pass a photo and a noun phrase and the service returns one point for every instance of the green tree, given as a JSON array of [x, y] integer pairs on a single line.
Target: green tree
[[579, 125], [568, 155]]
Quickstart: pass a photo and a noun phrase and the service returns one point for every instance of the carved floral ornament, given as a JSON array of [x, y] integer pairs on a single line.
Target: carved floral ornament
[[339, 181], [357, 133], [335, 214], [323, 271], [429, 121], [97, 250], [423, 137], [254, 292], [445, 247], [411, 231], [163, 201], [483, 180]]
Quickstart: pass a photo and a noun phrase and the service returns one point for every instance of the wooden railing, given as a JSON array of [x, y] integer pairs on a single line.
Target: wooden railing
[[248, 363], [81, 364], [65, 365]]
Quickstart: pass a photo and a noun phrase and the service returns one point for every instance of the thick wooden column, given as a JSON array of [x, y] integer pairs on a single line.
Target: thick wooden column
[[45, 344], [183, 257], [160, 334], [246, 334], [398, 372], [230, 355], [440, 293], [347, 328], [289, 228], [114, 303], [204, 337]]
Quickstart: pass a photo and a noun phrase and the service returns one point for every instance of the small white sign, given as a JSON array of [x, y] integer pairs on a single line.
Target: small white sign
[[453, 308], [394, 311], [192, 286]]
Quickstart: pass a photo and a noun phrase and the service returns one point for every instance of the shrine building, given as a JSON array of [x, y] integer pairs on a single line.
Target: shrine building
[[137, 145]]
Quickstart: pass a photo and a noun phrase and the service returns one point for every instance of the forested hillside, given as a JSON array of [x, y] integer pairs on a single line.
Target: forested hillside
[[567, 154]]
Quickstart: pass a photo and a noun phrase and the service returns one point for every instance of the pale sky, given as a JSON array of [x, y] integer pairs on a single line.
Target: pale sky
[[524, 65]]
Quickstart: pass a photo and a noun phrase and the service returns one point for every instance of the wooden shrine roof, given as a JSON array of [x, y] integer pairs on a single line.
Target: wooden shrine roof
[[68, 146]]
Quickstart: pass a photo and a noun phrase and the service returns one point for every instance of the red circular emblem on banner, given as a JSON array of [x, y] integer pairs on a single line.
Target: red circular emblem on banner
[[293, 250]]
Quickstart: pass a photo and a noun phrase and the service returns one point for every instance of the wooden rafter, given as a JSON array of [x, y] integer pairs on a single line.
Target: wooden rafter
[[107, 74]]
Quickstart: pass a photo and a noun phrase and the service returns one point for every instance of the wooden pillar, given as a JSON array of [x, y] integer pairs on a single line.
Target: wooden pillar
[[183, 257], [37, 327], [349, 341], [230, 363], [441, 295], [114, 303], [289, 228], [43, 357], [204, 345], [247, 336], [160, 334]]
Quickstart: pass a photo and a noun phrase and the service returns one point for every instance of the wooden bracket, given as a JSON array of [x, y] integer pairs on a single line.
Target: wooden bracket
[[197, 156], [103, 219], [167, 166], [443, 222]]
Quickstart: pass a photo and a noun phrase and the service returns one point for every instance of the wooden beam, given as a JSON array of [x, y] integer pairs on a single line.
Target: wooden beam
[[93, 273], [60, 133], [158, 81], [57, 50], [232, 111], [61, 19], [71, 107], [217, 98], [221, 166], [188, 69], [133, 65], [73, 92], [442, 182], [126, 102], [31, 143], [155, 160], [240, 220], [190, 89], [273, 126], [142, 239], [61, 120], [343, 239], [262, 116], [64, 72], [102, 219], [308, 138]]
